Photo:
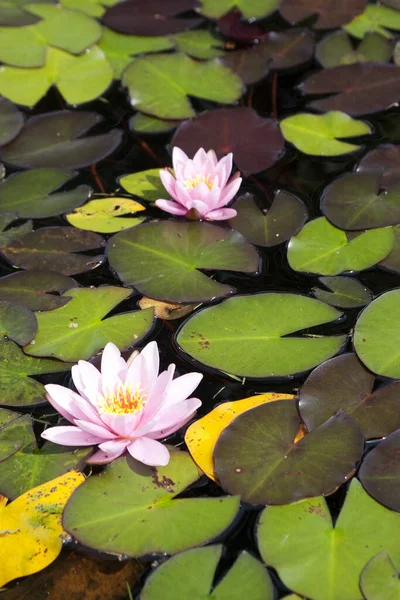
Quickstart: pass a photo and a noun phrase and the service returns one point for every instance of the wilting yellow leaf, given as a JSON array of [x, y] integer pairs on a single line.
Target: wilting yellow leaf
[[31, 534], [166, 310], [203, 434]]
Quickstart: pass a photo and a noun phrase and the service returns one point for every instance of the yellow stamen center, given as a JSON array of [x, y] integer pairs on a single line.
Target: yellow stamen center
[[194, 181], [122, 400]]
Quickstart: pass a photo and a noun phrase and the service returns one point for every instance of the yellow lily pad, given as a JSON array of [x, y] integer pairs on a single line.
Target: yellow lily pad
[[203, 434], [106, 215], [30, 527], [168, 311]]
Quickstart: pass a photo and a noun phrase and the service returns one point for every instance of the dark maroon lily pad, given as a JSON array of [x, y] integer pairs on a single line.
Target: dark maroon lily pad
[[256, 143], [272, 226], [380, 472], [357, 89], [392, 261], [54, 140], [55, 248], [344, 292], [256, 455], [35, 289], [17, 323], [278, 50], [151, 17], [343, 383], [235, 28], [11, 121], [330, 13], [385, 160], [356, 201]]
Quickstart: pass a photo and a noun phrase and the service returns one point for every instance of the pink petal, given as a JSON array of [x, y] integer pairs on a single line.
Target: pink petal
[[179, 158], [102, 458], [184, 195], [181, 388], [225, 165], [149, 452], [70, 436], [158, 394], [122, 425], [113, 447], [69, 404], [113, 367], [168, 182], [158, 434], [171, 207], [201, 207], [87, 380], [230, 190], [100, 431], [213, 157], [173, 416], [199, 158], [221, 214], [150, 365]]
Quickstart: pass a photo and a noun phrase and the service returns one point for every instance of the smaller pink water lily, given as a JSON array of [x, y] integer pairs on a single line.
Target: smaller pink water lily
[[200, 187], [126, 406]]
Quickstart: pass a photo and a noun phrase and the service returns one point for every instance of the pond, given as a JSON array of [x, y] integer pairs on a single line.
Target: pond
[[213, 185]]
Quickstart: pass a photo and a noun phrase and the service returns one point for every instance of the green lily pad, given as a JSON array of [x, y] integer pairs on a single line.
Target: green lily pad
[[13, 13], [67, 30], [93, 8], [357, 201], [344, 292], [8, 415], [78, 78], [79, 329], [376, 335], [380, 472], [272, 226], [54, 248], [249, 335], [146, 185], [160, 84], [257, 458], [337, 49], [145, 124], [324, 249], [11, 121], [31, 289], [105, 215], [250, 9], [28, 194], [17, 323], [322, 561], [342, 383], [200, 43], [380, 580], [8, 235], [54, 140], [392, 261], [9, 442], [16, 386], [111, 512], [162, 259], [317, 134], [191, 574], [375, 18], [29, 466]]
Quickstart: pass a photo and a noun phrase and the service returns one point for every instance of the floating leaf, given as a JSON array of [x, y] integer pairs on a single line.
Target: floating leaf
[[392, 261], [105, 215], [146, 124], [318, 134], [322, 248], [58, 248], [250, 9], [160, 84], [167, 311], [380, 580], [375, 18], [146, 185], [357, 89], [50, 140], [16, 387], [10, 441], [12, 13], [28, 194], [190, 575], [7, 235], [93, 8], [269, 227], [79, 329], [293, 537], [380, 472], [162, 259], [31, 525], [202, 435], [11, 120], [330, 13], [78, 78], [67, 30], [256, 143], [31, 289], [199, 44], [384, 160], [7, 415], [257, 457], [376, 335], [357, 201], [342, 383], [249, 335], [151, 17], [337, 49], [345, 292], [130, 517], [17, 323]]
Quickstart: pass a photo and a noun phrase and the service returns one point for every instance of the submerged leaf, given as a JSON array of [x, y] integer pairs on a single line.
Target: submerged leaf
[[344, 292], [380, 580]]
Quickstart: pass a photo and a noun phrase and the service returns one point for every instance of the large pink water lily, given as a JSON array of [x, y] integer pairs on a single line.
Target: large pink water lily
[[200, 187], [126, 406]]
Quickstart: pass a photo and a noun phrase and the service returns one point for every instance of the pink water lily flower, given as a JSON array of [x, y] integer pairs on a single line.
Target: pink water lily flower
[[126, 406], [200, 187]]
